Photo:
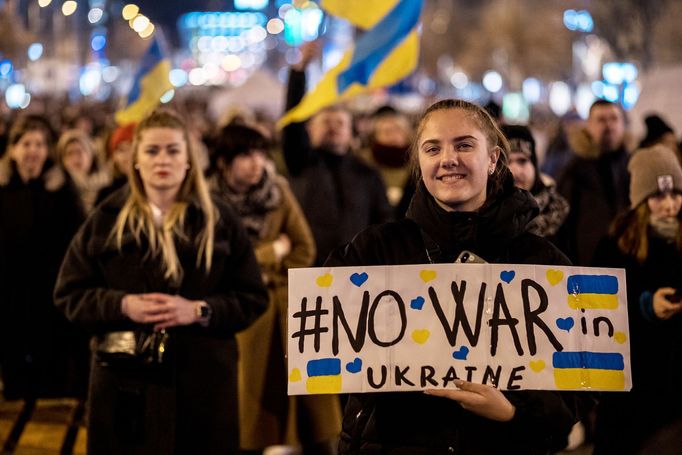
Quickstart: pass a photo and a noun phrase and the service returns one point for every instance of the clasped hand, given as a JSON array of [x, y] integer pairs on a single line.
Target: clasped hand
[[162, 310], [483, 400]]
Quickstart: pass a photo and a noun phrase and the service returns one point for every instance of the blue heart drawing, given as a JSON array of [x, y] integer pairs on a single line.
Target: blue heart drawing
[[461, 354], [565, 324], [507, 276], [359, 279], [355, 366], [417, 303]]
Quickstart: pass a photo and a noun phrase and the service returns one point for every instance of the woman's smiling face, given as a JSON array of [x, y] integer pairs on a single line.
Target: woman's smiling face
[[455, 159]]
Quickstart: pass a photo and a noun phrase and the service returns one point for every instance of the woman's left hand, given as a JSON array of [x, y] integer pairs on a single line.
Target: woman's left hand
[[484, 400], [177, 310]]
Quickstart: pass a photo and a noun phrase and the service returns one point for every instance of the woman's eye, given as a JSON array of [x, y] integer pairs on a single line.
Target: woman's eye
[[151, 151], [464, 146]]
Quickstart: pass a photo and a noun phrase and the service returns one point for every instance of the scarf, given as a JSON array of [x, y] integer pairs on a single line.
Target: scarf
[[666, 228], [253, 205]]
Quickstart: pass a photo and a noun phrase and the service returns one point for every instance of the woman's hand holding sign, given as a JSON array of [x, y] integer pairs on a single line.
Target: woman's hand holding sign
[[483, 400]]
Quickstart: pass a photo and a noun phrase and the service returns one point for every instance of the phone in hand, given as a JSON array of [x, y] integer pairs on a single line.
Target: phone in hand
[[675, 297], [467, 257]]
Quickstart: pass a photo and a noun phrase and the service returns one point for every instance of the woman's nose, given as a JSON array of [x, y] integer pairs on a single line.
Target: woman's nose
[[449, 158]]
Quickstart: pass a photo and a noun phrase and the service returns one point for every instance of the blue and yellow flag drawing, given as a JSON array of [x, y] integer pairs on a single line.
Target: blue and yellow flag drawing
[[386, 53], [151, 82]]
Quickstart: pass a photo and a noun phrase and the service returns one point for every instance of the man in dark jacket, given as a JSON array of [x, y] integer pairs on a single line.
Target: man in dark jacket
[[339, 194], [595, 182]]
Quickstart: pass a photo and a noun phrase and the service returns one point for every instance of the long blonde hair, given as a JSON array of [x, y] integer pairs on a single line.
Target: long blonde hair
[[136, 214]]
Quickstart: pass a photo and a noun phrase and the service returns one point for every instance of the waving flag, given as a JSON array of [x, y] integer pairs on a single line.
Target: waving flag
[[151, 82], [386, 53]]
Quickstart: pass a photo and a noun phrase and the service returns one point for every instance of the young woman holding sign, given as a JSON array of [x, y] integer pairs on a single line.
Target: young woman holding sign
[[647, 242], [162, 276], [465, 200]]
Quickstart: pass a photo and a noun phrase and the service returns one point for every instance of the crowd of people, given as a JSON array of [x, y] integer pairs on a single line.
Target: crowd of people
[[143, 268]]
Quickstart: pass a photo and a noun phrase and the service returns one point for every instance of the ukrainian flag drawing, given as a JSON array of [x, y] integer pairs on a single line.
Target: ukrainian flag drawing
[[324, 376], [151, 82], [386, 53], [592, 292], [589, 370]]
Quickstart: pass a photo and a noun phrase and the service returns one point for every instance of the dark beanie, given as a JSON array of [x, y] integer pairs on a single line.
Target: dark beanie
[[236, 139], [521, 140], [655, 129]]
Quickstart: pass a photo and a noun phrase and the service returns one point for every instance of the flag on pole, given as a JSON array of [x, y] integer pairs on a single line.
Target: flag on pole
[[150, 84], [386, 53]]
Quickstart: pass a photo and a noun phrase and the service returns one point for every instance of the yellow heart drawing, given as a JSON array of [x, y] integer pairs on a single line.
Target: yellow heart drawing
[[295, 375], [554, 276], [620, 337], [427, 275], [324, 281], [420, 336], [537, 365]]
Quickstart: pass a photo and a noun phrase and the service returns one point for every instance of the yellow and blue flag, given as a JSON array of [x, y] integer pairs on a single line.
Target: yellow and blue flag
[[386, 53], [592, 292], [324, 376], [584, 370], [150, 84]]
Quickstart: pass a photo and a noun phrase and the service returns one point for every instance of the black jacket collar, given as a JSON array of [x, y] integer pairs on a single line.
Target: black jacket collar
[[485, 232]]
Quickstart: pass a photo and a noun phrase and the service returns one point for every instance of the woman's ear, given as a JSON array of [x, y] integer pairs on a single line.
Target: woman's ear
[[495, 155]]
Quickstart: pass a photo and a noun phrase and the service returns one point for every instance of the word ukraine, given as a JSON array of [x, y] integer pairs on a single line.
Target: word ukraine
[[415, 327]]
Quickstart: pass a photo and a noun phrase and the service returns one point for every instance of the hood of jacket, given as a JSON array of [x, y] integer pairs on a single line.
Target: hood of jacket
[[584, 146], [486, 232]]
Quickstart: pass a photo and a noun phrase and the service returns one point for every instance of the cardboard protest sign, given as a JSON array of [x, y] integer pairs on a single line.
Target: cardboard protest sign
[[415, 327]]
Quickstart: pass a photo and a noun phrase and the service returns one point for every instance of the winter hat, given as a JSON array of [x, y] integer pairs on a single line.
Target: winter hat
[[655, 129], [121, 134], [521, 140], [653, 170], [236, 139]]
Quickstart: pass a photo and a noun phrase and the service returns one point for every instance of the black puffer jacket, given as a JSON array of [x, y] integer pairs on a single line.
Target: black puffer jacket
[[402, 423]]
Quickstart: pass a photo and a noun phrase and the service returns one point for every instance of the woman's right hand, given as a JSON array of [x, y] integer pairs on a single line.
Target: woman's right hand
[[144, 308], [663, 308]]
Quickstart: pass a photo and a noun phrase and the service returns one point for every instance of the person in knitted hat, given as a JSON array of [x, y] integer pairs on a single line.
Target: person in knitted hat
[[523, 164], [647, 242]]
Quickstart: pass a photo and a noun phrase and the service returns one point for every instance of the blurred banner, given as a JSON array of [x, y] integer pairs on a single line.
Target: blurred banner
[[150, 84], [386, 53]]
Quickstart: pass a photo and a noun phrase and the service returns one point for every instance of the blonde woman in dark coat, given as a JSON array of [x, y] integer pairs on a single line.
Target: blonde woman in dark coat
[[162, 265], [275, 222]]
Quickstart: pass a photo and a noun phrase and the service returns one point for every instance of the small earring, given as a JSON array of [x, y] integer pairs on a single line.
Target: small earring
[[491, 171], [136, 166]]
